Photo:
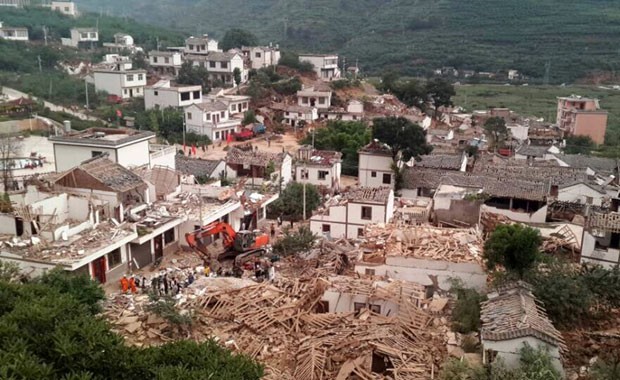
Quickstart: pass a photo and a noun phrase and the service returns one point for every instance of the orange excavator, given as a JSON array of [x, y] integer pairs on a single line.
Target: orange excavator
[[237, 245]]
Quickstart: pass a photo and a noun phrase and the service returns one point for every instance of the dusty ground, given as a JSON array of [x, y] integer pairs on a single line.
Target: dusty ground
[[288, 142]]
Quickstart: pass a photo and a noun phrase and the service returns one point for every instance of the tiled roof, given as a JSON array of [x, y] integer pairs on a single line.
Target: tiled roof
[[415, 177], [533, 150], [163, 178], [321, 157], [377, 147], [107, 172], [514, 313], [440, 161], [212, 106], [368, 194], [237, 156], [601, 164], [539, 171], [291, 108], [196, 166]]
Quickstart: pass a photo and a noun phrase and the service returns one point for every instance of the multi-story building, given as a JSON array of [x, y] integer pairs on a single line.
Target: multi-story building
[[318, 167], [166, 62], [211, 119], [220, 66], [162, 94], [580, 116], [315, 96], [67, 8], [375, 165], [325, 65], [122, 43], [125, 84], [200, 45], [82, 38], [261, 56]]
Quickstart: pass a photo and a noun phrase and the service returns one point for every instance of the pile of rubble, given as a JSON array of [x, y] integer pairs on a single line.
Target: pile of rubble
[[276, 324], [422, 242]]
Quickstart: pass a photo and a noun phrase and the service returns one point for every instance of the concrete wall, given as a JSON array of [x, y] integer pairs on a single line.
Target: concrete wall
[[166, 97], [354, 213], [134, 154], [458, 209], [508, 350], [163, 158], [286, 170], [539, 216], [579, 193], [70, 156], [418, 270], [109, 82], [369, 164], [591, 124], [606, 257], [344, 303], [336, 219], [332, 179], [7, 224]]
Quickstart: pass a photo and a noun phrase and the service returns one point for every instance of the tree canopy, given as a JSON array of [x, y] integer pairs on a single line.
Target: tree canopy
[[579, 145], [514, 247], [193, 75], [402, 136], [496, 128], [236, 38], [346, 137], [290, 204], [439, 93], [49, 330]]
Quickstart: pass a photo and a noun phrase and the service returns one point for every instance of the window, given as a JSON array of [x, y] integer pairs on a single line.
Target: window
[[304, 100], [258, 54], [154, 59], [167, 60], [323, 174], [358, 306], [93, 35], [375, 309], [321, 100], [589, 200], [366, 212], [125, 91], [84, 35], [387, 178], [114, 258], [95, 153], [224, 65], [369, 272], [373, 174], [223, 114], [185, 96], [189, 116], [208, 116], [66, 9], [300, 114], [233, 108], [196, 94], [140, 76], [169, 236], [217, 135], [129, 77], [304, 173], [191, 47], [212, 64], [326, 228], [360, 232], [156, 93]]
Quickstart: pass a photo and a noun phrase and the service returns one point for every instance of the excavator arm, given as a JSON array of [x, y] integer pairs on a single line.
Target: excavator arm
[[194, 239]]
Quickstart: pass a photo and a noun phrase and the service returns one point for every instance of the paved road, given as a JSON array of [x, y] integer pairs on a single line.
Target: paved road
[[14, 94]]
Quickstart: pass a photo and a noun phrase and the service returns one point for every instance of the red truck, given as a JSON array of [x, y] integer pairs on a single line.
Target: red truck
[[243, 134]]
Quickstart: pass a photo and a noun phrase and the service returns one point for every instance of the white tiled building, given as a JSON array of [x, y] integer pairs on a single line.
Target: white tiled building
[[82, 37], [325, 65], [320, 98], [344, 216], [318, 167], [212, 119], [125, 84], [220, 66], [261, 56], [67, 8], [375, 165], [166, 62], [162, 94], [13, 33]]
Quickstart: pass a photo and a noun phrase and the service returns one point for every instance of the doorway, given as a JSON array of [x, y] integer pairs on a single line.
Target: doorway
[[99, 268], [159, 248]]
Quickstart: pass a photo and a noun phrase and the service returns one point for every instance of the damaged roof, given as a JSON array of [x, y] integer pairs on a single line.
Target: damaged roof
[[211, 106], [513, 312], [500, 187], [599, 164], [377, 147], [539, 171], [236, 156], [440, 161], [195, 166], [163, 178], [319, 157], [533, 150], [368, 194], [109, 174], [114, 137]]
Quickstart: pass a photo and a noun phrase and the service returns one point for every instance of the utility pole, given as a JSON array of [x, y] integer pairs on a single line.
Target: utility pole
[[184, 126], [344, 66], [313, 129], [86, 87], [304, 196], [45, 34], [39, 59]]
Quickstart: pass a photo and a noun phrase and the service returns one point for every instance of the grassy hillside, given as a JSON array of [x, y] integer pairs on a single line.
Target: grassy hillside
[[539, 101], [574, 37]]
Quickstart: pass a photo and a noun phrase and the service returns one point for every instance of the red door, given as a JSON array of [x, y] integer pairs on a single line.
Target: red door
[[99, 269]]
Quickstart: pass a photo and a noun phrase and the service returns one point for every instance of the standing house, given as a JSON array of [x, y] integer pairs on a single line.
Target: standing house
[[13, 33], [317, 97], [354, 111], [67, 8], [512, 318], [14, 3], [211, 119], [318, 167], [345, 215], [82, 38], [580, 116], [259, 166], [166, 62], [125, 84], [594, 166], [129, 148], [325, 65], [237, 104], [193, 168], [535, 152], [296, 116], [220, 66], [261, 56], [584, 192], [122, 43], [200, 45], [375, 165], [163, 95]]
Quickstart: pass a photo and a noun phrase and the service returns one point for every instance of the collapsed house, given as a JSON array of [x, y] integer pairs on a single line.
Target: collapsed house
[[318, 167], [259, 166]]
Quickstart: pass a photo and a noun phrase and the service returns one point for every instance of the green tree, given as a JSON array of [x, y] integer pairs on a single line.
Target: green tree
[[346, 137], [237, 76], [8, 271], [139, 61], [389, 80], [402, 136], [579, 145], [236, 38], [192, 75], [290, 204], [292, 242], [249, 117], [439, 93], [514, 247], [607, 367], [412, 93], [466, 312], [496, 128]]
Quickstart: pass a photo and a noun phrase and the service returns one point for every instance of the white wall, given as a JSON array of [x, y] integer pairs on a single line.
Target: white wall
[[508, 350], [336, 219], [164, 158], [286, 170], [313, 175], [539, 216], [108, 82], [579, 193], [344, 303], [7, 224], [354, 213], [607, 257], [70, 156], [369, 163], [133, 155]]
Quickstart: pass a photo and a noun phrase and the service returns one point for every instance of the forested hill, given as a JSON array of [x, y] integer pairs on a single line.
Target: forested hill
[[571, 37]]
